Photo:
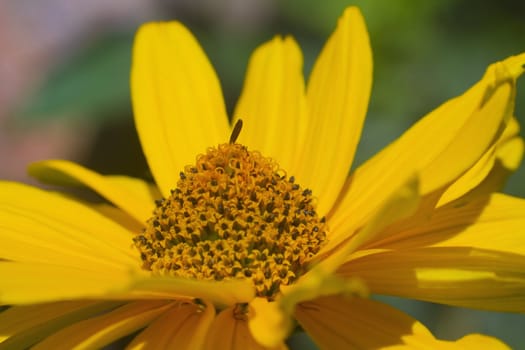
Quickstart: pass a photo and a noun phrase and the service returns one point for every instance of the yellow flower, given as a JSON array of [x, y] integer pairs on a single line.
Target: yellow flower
[[257, 235]]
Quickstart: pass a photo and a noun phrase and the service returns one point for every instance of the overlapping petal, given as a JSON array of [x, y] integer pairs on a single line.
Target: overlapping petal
[[337, 94], [183, 327], [23, 326], [498, 162], [101, 330], [273, 103], [134, 196], [44, 227], [177, 100], [230, 331], [440, 147], [472, 256], [338, 322]]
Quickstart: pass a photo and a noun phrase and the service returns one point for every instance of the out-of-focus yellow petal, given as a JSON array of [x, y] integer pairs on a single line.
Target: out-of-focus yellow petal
[[472, 256], [506, 155], [96, 332], [177, 100], [273, 103], [23, 326], [479, 341], [337, 94], [440, 147], [45, 227], [230, 331], [338, 322], [183, 327], [268, 323], [134, 196]]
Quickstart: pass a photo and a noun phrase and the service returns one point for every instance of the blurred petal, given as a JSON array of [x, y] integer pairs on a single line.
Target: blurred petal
[[184, 326], [472, 256], [268, 324], [177, 100], [134, 196], [23, 326], [273, 103], [440, 147], [96, 332], [338, 92], [337, 322], [479, 341]]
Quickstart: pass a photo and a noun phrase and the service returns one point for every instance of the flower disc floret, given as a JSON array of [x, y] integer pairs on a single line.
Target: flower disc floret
[[234, 214]]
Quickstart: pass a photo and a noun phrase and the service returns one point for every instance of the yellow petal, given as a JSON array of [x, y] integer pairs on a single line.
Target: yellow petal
[[273, 103], [23, 326], [267, 322], [184, 326], [221, 293], [177, 100], [472, 256], [271, 322], [337, 322], [337, 93], [506, 154], [96, 332], [401, 204], [440, 147], [44, 227], [230, 331], [117, 215], [479, 341], [29, 283], [134, 196]]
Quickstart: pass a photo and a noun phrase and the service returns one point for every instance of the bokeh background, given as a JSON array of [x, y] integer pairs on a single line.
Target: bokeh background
[[64, 89]]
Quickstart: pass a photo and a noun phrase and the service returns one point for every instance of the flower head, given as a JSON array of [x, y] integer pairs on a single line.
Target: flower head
[[238, 242]]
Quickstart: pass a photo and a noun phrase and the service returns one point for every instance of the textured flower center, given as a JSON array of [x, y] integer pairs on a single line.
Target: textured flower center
[[234, 214]]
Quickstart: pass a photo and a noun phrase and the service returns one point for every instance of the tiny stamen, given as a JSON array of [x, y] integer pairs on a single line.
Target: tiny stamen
[[236, 131]]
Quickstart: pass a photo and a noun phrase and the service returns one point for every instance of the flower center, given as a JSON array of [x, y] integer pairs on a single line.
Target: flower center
[[234, 214]]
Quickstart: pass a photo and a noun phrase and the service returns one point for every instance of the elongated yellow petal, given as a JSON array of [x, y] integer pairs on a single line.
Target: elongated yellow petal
[[183, 327], [441, 146], [177, 100], [44, 227], [273, 103], [23, 326], [336, 322], [338, 92], [96, 332], [472, 256], [134, 196]]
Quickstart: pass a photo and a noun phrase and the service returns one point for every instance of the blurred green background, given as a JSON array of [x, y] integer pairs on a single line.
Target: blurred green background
[[65, 92]]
